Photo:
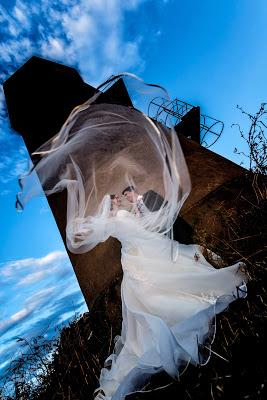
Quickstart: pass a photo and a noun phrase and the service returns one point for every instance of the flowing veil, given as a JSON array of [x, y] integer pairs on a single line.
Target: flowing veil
[[168, 307], [101, 149]]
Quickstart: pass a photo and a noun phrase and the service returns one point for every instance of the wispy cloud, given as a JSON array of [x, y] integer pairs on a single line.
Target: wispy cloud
[[31, 278], [14, 162], [15, 318], [34, 302], [37, 295], [89, 35], [29, 265]]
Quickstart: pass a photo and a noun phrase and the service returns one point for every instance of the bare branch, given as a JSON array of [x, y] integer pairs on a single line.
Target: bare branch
[[255, 139]]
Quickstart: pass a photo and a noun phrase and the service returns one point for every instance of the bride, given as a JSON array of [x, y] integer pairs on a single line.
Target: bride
[[170, 293], [168, 306]]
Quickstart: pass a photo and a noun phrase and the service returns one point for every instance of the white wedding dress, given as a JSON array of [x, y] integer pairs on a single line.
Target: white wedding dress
[[168, 307]]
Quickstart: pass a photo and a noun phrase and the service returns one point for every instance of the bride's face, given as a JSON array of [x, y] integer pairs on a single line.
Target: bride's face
[[116, 201]]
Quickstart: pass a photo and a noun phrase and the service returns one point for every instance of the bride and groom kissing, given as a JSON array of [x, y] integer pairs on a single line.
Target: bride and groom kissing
[[141, 204], [150, 201]]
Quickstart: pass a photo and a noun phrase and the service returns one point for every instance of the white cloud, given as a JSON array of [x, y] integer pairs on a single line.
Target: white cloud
[[95, 32], [30, 305], [51, 257], [89, 35], [19, 315], [37, 294], [32, 278], [37, 298], [15, 318], [15, 275], [19, 50], [74, 32], [20, 14], [12, 268], [14, 159]]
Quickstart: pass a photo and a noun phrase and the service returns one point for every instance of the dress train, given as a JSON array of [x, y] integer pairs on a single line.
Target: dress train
[[168, 308]]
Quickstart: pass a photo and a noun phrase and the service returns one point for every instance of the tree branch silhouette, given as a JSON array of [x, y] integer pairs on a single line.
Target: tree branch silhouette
[[255, 139]]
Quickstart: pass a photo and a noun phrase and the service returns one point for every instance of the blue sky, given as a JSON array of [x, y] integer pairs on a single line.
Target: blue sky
[[209, 53]]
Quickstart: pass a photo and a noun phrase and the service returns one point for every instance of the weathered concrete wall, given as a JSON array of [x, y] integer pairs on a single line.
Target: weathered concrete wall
[[208, 171]]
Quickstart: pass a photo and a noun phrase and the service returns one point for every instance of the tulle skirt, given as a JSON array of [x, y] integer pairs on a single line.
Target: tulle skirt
[[169, 310]]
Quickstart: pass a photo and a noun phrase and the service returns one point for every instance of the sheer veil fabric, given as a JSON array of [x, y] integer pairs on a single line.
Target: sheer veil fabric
[[102, 149], [169, 299]]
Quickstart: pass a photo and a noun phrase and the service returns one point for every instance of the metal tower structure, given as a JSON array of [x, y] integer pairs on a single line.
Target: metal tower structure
[[174, 112]]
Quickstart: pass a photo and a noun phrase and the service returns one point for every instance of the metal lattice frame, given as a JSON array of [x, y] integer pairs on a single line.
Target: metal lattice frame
[[171, 112]]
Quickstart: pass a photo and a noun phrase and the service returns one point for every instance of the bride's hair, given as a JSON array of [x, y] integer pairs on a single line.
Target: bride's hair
[[112, 197]]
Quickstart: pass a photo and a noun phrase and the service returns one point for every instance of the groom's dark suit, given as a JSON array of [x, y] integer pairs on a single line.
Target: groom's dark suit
[[152, 200], [182, 231]]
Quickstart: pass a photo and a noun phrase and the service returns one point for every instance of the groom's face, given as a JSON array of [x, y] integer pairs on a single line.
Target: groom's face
[[130, 196]]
